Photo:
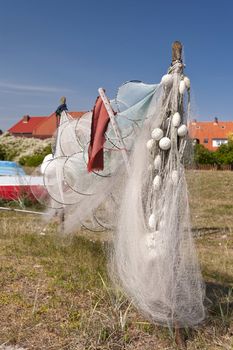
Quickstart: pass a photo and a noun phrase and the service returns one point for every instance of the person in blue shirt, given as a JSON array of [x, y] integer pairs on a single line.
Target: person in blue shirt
[[62, 107]]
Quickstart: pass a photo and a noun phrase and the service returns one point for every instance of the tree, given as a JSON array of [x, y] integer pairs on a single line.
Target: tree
[[203, 156]]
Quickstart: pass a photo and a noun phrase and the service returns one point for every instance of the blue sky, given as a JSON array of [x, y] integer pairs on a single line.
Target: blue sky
[[51, 48]]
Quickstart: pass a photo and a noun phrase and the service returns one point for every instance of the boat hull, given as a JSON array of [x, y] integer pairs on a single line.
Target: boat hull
[[17, 187]]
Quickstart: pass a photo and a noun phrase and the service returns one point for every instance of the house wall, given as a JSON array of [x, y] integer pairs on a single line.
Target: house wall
[[23, 134], [210, 134]]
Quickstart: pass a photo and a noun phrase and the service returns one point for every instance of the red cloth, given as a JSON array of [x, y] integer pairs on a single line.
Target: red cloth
[[100, 120]]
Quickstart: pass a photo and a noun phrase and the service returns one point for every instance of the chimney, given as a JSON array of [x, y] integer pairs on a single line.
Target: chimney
[[215, 120], [26, 118]]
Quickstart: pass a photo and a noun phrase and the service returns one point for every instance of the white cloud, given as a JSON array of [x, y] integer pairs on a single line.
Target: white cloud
[[7, 87]]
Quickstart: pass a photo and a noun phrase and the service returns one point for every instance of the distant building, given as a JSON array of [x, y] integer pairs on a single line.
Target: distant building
[[38, 127], [210, 134]]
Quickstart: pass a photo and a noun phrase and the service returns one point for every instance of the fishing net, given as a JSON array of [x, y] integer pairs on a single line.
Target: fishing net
[[145, 205], [154, 256], [66, 183]]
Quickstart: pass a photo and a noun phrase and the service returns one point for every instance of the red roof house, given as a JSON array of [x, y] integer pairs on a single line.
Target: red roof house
[[26, 126], [39, 127], [210, 134]]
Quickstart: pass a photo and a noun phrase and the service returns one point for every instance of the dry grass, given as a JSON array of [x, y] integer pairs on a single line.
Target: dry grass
[[56, 294], [211, 199]]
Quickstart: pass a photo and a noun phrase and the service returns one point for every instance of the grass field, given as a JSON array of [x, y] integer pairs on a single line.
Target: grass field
[[55, 293]]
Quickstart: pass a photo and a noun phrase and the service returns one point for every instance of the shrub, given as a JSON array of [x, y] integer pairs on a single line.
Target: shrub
[[224, 153], [35, 159], [203, 156], [26, 151], [2, 153]]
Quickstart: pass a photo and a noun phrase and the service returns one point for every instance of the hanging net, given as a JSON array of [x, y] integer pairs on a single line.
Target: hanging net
[[147, 206]]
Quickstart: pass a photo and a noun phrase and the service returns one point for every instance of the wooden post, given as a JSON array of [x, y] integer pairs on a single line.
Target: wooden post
[[177, 58], [180, 339], [176, 52]]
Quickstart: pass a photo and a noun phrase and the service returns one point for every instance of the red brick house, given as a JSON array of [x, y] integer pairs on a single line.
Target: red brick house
[[210, 134], [39, 127]]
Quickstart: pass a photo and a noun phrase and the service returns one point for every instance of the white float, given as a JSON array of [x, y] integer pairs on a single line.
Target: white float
[[182, 130], [151, 221], [187, 82], [157, 134], [182, 87], [176, 119], [165, 143], [157, 182], [150, 144], [157, 162]]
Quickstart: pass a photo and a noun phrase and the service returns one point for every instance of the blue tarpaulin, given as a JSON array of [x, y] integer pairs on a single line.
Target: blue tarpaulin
[[11, 168]]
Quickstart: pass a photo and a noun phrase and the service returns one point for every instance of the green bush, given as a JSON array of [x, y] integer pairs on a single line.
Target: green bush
[[203, 156], [35, 159], [2, 153], [224, 153]]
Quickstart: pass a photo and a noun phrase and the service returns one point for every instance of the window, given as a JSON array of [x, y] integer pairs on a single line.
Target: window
[[206, 140], [218, 142]]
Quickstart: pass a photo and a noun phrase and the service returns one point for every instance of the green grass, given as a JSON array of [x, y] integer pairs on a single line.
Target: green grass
[[55, 293]]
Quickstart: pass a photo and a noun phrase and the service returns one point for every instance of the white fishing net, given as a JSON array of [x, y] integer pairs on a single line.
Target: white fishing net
[[90, 199], [147, 207], [154, 256]]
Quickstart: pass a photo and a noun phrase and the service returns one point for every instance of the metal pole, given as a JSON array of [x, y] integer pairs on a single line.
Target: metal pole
[[115, 127]]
